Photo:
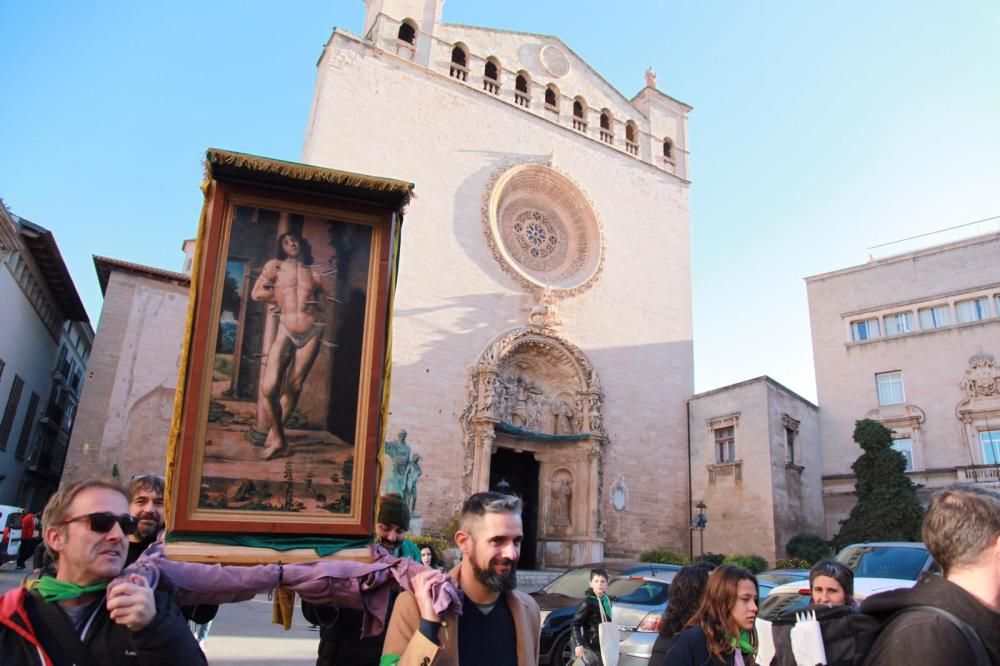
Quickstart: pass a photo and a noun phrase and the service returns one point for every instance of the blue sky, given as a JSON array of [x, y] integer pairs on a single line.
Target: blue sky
[[819, 129]]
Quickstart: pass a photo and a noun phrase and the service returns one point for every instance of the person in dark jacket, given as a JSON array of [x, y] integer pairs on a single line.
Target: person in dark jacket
[[686, 591], [962, 534], [76, 611], [145, 503], [722, 630], [340, 641], [595, 608]]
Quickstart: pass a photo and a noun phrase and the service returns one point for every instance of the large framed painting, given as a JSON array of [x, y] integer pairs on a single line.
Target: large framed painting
[[278, 427]]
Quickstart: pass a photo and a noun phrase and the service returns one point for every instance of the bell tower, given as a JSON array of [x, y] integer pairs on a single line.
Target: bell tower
[[403, 27]]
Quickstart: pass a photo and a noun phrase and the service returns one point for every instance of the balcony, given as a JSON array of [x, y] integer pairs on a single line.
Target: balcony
[[986, 474], [53, 417]]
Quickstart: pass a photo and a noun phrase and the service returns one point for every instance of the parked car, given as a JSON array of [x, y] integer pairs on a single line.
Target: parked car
[[10, 522], [559, 600], [904, 560], [797, 594], [638, 604], [781, 576]]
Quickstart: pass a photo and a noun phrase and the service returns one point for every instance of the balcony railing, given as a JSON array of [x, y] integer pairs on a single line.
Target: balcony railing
[[989, 474], [632, 147], [492, 86], [607, 136], [580, 125], [459, 72], [522, 99]]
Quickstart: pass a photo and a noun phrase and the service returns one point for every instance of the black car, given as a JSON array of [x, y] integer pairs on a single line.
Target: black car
[[559, 600]]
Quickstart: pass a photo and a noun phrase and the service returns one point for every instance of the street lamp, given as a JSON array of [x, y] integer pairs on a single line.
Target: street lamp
[[698, 523]]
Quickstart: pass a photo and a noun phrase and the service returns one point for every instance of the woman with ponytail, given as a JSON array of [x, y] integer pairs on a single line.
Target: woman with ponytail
[[722, 630]]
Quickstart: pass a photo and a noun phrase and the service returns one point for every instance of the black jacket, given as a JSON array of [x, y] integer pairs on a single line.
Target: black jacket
[[585, 621], [660, 649], [925, 638], [165, 641], [340, 641], [691, 649]]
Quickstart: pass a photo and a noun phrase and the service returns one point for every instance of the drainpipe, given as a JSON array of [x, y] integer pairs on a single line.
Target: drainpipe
[[687, 412]]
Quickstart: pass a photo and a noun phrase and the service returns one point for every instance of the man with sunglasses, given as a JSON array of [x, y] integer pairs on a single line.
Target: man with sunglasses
[[75, 617]]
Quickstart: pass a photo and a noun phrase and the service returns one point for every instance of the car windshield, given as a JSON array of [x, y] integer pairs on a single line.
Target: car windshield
[[884, 561], [574, 583], [14, 521], [776, 604], [638, 591]]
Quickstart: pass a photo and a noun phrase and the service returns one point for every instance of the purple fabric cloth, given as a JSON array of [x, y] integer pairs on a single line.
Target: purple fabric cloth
[[359, 585]]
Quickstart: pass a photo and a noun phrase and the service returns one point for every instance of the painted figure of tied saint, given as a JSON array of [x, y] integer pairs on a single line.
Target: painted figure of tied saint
[[290, 283]]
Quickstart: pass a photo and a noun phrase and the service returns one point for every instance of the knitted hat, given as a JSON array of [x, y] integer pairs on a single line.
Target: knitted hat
[[393, 511]]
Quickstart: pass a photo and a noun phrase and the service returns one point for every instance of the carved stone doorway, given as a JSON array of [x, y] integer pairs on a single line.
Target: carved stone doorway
[[533, 391], [516, 473]]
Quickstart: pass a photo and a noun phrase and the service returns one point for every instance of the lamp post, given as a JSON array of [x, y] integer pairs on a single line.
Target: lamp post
[[698, 523]]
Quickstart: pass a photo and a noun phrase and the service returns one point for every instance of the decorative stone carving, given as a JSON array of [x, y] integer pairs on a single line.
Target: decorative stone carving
[[543, 314], [554, 61], [535, 381], [790, 423], [723, 421], [619, 494], [982, 379], [542, 229]]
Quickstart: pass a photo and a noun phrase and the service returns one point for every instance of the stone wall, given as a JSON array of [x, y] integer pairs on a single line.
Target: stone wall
[[127, 400]]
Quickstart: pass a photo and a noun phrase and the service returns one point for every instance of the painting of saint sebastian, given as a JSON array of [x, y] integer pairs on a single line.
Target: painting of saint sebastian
[[290, 283]]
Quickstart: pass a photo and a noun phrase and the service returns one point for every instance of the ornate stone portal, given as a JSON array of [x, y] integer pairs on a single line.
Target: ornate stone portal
[[534, 391]]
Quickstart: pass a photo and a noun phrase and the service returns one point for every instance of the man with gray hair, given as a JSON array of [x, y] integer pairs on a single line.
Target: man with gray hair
[[499, 625], [954, 618]]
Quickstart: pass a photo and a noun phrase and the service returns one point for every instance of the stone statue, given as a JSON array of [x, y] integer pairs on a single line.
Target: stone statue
[[650, 78], [487, 397], [563, 417], [519, 411], [394, 464], [595, 414], [562, 494], [410, 478]]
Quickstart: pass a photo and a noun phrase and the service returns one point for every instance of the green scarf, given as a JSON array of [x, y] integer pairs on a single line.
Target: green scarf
[[53, 589], [743, 643], [606, 602]]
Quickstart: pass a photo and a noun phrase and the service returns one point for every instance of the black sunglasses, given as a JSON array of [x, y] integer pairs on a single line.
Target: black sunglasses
[[103, 521]]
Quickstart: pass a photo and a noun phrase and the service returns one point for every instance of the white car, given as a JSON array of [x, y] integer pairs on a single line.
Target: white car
[[10, 531], [797, 594]]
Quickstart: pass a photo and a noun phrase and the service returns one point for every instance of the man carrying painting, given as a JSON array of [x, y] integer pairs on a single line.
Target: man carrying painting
[[75, 616], [340, 642]]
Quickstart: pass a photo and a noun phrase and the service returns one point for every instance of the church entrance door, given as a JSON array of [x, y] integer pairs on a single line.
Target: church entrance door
[[516, 473]]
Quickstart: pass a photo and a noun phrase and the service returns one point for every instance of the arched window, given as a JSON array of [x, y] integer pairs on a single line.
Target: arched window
[[580, 114], [491, 76], [408, 31], [551, 98], [668, 150], [632, 137], [459, 63], [607, 135], [521, 93]]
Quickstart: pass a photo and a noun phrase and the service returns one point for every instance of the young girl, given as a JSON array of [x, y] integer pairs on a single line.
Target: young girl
[[831, 583], [686, 591], [722, 631]]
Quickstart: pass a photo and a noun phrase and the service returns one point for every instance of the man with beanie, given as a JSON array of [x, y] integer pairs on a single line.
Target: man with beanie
[[340, 642]]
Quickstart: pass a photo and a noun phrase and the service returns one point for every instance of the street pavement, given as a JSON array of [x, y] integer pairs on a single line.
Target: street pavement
[[242, 633]]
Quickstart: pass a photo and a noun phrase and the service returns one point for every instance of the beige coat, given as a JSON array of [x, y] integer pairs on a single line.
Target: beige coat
[[403, 636]]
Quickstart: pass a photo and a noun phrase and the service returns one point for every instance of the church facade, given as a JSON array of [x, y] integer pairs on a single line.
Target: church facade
[[542, 337]]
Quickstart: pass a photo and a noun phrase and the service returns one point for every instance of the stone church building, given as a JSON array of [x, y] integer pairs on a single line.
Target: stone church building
[[542, 323]]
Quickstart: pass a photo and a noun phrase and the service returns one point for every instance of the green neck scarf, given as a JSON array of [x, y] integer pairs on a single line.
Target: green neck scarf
[[53, 589], [606, 602], [743, 642]]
